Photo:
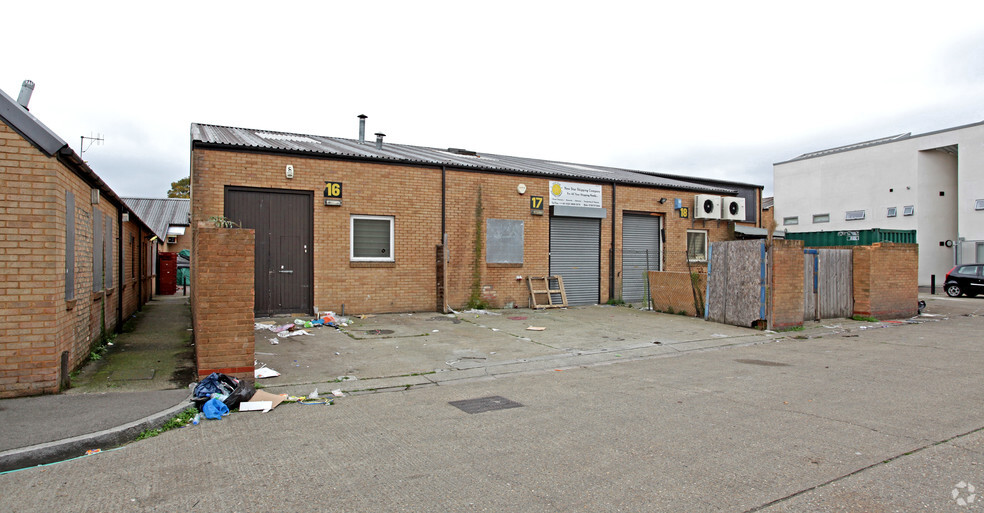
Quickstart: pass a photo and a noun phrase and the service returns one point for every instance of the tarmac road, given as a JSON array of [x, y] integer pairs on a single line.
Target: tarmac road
[[887, 419]]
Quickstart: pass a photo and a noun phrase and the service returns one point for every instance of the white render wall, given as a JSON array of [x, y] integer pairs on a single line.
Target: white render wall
[[893, 174]]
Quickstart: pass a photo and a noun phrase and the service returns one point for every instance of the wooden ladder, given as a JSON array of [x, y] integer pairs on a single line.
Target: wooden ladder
[[545, 281]]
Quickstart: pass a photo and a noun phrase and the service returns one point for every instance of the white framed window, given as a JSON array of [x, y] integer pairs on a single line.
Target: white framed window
[[371, 239], [892, 212], [854, 215], [697, 245], [979, 204], [172, 239], [821, 218], [909, 210], [789, 221]]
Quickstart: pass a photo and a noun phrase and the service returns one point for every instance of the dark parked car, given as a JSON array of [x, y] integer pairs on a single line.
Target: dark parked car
[[965, 279]]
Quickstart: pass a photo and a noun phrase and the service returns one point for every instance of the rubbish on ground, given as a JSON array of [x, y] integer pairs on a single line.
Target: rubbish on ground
[[313, 395], [495, 329], [265, 372], [318, 322], [93, 451], [278, 329], [197, 418], [337, 353], [274, 341], [231, 390], [261, 326], [480, 312], [299, 322], [337, 392], [308, 324], [263, 406], [492, 352], [215, 409], [285, 334], [435, 331], [366, 316], [264, 396], [536, 328], [320, 400]]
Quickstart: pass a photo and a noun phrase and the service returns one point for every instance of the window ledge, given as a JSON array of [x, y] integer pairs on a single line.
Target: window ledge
[[96, 296], [372, 264], [70, 304], [109, 292], [491, 265]]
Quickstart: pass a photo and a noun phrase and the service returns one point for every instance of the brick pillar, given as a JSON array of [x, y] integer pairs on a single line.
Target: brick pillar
[[886, 280], [787, 283], [222, 303]]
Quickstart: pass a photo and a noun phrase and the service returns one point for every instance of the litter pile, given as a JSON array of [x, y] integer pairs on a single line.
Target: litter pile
[[217, 394], [299, 325]]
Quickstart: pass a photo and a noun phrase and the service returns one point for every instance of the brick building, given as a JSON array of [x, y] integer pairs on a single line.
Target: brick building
[[379, 227], [169, 218], [73, 260]]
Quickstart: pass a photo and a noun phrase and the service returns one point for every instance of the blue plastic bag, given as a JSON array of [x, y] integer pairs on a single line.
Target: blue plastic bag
[[215, 409]]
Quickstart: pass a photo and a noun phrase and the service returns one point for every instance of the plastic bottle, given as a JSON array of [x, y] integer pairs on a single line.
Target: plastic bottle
[[198, 417]]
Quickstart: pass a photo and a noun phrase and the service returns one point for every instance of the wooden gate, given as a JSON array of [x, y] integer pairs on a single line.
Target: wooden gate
[[736, 282], [828, 288]]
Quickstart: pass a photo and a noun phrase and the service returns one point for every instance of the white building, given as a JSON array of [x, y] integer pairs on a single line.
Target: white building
[[932, 183]]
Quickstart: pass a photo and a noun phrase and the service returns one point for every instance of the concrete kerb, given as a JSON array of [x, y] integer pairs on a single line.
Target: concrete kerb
[[60, 450]]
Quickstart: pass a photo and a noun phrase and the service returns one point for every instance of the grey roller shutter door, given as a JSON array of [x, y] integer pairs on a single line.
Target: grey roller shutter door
[[639, 235], [575, 248]]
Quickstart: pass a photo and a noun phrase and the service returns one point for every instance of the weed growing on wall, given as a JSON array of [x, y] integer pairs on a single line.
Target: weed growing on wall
[[475, 299]]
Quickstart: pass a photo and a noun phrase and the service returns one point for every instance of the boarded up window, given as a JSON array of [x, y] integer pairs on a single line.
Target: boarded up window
[[109, 252], [97, 252], [69, 246], [504, 241], [372, 238], [697, 246]]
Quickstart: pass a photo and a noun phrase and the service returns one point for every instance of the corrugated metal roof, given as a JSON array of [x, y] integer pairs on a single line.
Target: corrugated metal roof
[[266, 140], [160, 213]]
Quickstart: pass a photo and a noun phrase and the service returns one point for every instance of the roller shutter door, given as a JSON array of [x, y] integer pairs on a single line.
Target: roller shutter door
[[640, 234], [575, 249]]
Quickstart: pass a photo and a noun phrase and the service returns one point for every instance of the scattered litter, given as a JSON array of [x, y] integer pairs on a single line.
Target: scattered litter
[[337, 353], [313, 395], [261, 326], [536, 328], [262, 396], [832, 327], [366, 316], [262, 406], [285, 334], [215, 409], [435, 331], [492, 352], [518, 318], [928, 315], [90, 452], [278, 329], [299, 322], [265, 372], [495, 329], [274, 341], [197, 418], [337, 392], [480, 312]]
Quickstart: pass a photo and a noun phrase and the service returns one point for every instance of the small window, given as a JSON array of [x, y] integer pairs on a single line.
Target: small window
[[696, 246], [372, 239], [909, 210], [979, 204], [821, 218], [69, 246], [504, 241], [789, 221], [892, 212], [854, 215], [172, 239]]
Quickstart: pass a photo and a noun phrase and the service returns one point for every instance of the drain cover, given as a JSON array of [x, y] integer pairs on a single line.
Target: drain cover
[[484, 404], [378, 332], [763, 362]]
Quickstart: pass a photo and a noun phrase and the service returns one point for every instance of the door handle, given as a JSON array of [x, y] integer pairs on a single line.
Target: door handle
[[287, 271]]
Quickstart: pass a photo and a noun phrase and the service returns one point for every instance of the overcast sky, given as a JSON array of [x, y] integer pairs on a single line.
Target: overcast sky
[[711, 89]]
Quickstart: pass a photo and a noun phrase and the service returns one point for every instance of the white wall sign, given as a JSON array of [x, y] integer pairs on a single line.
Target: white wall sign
[[568, 194]]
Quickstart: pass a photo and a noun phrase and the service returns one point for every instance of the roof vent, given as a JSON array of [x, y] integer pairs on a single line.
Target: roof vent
[[362, 128], [379, 140], [27, 89], [461, 151]]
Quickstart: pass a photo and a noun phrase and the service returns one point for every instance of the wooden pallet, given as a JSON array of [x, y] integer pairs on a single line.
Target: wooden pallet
[[542, 288]]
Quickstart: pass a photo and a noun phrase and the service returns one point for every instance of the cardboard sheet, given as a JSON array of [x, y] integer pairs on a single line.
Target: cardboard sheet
[[260, 395]]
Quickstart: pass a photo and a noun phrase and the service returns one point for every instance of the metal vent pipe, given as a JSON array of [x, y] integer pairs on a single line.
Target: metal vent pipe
[[362, 128], [379, 140], [27, 89]]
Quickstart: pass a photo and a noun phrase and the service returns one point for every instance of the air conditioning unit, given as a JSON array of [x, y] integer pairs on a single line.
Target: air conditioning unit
[[733, 209], [707, 206]]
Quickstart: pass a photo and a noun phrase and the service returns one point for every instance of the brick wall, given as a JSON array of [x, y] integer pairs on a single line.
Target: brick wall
[[787, 283], [42, 323], [222, 301], [886, 280]]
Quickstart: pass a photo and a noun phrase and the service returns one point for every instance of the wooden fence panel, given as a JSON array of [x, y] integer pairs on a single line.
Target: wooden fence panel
[[736, 280], [836, 283]]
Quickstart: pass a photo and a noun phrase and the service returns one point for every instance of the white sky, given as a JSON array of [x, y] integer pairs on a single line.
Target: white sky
[[712, 89]]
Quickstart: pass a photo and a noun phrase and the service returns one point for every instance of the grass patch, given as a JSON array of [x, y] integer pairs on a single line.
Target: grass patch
[[864, 318], [792, 328], [180, 420], [616, 302]]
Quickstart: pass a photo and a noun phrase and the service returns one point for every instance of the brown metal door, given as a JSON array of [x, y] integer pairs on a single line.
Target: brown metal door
[[283, 266]]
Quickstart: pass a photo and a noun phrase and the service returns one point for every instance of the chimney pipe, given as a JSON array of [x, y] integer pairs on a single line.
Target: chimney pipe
[[379, 140], [27, 88], [362, 128]]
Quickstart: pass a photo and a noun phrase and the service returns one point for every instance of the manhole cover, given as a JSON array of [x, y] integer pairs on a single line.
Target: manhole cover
[[132, 375], [378, 332], [484, 404], [763, 362]]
